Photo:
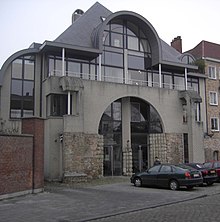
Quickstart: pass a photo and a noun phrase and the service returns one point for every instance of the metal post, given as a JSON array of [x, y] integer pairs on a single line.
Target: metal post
[[100, 68], [69, 102], [186, 87], [140, 157], [112, 161], [160, 76], [63, 62]]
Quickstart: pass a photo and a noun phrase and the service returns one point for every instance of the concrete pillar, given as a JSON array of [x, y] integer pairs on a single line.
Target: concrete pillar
[[126, 136]]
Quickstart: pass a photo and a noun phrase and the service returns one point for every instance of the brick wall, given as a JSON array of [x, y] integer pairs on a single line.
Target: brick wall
[[35, 126], [15, 163], [21, 159]]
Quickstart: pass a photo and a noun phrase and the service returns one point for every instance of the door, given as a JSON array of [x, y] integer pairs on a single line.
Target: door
[[112, 160], [139, 152]]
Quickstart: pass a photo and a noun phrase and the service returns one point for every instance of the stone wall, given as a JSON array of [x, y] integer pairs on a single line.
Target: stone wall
[[168, 147], [82, 155], [211, 144], [175, 148]]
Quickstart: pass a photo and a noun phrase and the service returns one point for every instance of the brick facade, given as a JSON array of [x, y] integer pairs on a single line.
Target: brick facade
[[16, 163], [21, 160], [35, 126]]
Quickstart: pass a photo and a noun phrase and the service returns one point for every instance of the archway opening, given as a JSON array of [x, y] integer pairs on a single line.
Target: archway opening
[[126, 125]]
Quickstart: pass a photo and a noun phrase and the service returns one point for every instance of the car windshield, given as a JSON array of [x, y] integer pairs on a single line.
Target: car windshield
[[207, 165], [199, 166], [217, 164], [183, 166]]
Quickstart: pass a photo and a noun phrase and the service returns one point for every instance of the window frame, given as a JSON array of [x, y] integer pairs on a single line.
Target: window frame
[[24, 79], [217, 121], [213, 95], [210, 74]]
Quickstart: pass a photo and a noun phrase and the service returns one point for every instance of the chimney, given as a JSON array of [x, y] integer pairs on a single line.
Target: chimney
[[77, 14], [177, 44]]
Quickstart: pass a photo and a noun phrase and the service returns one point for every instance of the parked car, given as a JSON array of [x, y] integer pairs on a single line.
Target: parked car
[[168, 175], [209, 174], [215, 165]]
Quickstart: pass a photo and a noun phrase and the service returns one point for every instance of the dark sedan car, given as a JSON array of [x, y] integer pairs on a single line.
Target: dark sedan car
[[209, 174], [168, 175], [215, 165]]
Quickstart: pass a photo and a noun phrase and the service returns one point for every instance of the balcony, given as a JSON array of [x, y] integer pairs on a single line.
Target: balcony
[[129, 81]]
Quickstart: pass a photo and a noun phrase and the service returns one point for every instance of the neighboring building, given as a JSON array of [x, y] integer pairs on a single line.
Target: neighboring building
[[112, 94], [207, 55]]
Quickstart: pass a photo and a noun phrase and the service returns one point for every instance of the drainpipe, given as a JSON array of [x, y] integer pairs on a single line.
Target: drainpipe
[[100, 68], [186, 87], [69, 102], [63, 61], [160, 77]]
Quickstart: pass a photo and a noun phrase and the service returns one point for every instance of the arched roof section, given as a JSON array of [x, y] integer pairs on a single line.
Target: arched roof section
[[187, 54], [137, 19], [12, 58]]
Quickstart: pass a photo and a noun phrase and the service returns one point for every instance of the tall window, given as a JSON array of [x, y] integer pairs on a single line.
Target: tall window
[[213, 98], [73, 67], [214, 124], [22, 87], [186, 148], [212, 72], [127, 53]]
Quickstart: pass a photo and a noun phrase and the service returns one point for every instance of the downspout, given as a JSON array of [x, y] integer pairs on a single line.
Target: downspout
[[186, 87], [100, 68], [160, 77]]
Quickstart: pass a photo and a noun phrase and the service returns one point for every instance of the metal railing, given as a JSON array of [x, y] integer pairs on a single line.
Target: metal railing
[[113, 79]]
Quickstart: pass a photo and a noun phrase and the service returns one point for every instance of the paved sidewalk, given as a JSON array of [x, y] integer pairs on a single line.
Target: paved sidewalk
[[97, 199]]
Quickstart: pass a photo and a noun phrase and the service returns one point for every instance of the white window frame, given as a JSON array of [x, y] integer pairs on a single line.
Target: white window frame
[[197, 112], [213, 98], [216, 123], [212, 72]]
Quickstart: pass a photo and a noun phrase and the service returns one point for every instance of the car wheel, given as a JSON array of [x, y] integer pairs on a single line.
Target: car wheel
[[137, 182], [174, 185], [189, 187], [209, 183]]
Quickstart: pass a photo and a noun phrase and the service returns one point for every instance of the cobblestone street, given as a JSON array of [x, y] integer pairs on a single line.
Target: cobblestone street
[[204, 209], [113, 200]]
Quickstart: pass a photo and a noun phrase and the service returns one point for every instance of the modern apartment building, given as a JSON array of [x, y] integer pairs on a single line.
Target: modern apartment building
[[208, 56], [112, 96]]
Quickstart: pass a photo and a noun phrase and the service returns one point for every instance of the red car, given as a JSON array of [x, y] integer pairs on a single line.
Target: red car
[[209, 174], [215, 165]]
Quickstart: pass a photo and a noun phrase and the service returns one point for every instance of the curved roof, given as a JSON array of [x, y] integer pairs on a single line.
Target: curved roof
[[146, 26], [12, 58]]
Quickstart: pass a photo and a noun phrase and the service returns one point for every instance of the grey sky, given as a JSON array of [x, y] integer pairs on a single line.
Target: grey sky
[[23, 22]]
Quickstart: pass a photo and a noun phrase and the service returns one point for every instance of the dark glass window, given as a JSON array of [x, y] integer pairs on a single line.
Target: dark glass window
[[186, 148], [136, 62], [113, 59], [193, 84], [17, 69], [167, 81], [133, 43], [59, 103], [22, 87], [179, 82], [116, 40]]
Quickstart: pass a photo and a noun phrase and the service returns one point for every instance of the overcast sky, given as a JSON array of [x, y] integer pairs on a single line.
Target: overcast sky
[[23, 22]]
